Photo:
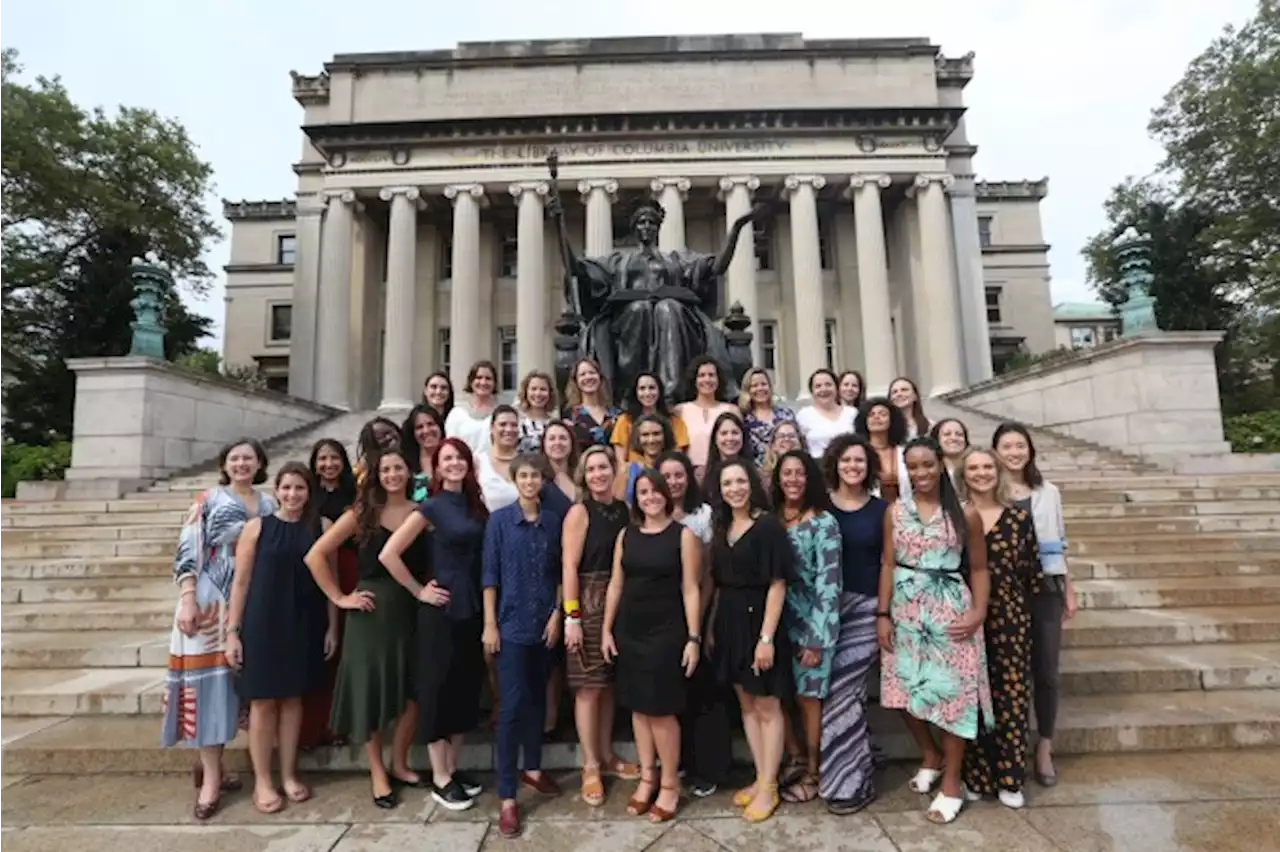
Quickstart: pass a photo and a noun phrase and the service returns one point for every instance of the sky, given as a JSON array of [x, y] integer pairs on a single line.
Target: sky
[[1060, 89]]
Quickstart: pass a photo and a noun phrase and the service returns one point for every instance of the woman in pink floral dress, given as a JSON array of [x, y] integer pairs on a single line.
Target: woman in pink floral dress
[[929, 623]]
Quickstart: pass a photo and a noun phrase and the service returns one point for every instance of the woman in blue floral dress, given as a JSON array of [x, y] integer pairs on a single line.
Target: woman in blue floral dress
[[812, 604], [588, 405]]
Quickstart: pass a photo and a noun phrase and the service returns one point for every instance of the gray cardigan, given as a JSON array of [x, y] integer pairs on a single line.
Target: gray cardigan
[[1051, 532]]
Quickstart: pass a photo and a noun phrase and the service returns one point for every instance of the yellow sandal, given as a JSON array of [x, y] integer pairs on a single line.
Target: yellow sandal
[[775, 800], [743, 797]]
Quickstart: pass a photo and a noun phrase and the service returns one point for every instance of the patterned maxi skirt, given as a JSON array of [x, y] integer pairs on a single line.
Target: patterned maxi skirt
[[846, 758], [200, 704], [587, 667], [933, 677]]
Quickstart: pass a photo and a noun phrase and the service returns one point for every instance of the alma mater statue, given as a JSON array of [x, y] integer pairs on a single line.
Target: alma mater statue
[[647, 310]]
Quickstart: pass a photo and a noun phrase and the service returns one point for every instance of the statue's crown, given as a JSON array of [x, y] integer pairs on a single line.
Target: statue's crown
[[650, 209]]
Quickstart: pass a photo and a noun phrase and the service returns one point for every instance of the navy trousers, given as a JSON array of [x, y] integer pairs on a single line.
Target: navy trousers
[[522, 684]]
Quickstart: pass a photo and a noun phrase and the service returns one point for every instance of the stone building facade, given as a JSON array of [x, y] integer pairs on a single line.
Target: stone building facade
[[418, 237]]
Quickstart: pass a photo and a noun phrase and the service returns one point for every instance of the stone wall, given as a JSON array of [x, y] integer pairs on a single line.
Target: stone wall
[[139, 419], [1153, 395]]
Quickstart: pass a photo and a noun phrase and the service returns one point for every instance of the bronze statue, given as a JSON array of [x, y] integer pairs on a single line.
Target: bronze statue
[[647, 310]]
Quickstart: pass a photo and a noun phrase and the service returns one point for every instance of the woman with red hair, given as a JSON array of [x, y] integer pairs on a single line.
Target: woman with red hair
[[451, 667]]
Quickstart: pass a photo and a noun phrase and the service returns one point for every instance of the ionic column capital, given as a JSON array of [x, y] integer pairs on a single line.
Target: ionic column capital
[[680, 184], [411, 193], [537, 187], [923, 180], [455, 191], [793, 182], [858, 181], [609, 185], [345, 197], [729, 182]]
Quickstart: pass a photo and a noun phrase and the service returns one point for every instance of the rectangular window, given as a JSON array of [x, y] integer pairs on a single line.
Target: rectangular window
[[993, 305], [281, 323], [507, 357], [443, 349], [1082, 336], [1110, 333], [510, 255], [446, 259], [762, 232], [286, 249], [984, 231], [769, 346], [825, 255], [829, 343]]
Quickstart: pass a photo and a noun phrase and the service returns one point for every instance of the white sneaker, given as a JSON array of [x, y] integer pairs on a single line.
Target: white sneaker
[[971, 796], [1012, 799]]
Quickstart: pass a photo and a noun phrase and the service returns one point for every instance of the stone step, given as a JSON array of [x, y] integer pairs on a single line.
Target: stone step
[[1159, 545], [1173, 565], [1164, 592], [45, 520], [1169, 721], [1113, 527], [1126, 628], [83, 692], [163, 503], [1170, 668], [89, 615], [75, 649], [88, 589], [1106, 491], [68, 568], [97, 549], [1169, 509], [140, 532], [1084, 479]]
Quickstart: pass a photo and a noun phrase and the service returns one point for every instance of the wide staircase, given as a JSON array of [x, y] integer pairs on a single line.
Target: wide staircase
[[1176, 645]]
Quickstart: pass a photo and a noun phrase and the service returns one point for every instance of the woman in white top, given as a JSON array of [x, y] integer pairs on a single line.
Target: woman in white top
[[493, 463], [1055, 598], [905, 397], [469, 421], [826, 417], [536, 400], [707, 386]]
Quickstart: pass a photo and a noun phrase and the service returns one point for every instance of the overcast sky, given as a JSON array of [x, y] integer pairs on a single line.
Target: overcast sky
[[1062, 89]]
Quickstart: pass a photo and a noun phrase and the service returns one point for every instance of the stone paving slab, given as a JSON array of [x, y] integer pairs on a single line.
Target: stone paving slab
[[188, 838], [399, 838], [1217, 827]]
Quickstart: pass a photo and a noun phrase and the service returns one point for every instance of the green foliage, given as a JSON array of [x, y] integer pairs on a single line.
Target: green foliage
[[1022, 360], [202, 360], [1220, 127], [209, 361], [1258, 432], [23, 463], [84, 193], [245, 374]]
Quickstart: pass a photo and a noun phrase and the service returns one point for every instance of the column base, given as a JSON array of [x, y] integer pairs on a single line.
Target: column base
[[392, 406]]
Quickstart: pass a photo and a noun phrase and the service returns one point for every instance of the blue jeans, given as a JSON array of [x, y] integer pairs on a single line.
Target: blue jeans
[[522, 686]]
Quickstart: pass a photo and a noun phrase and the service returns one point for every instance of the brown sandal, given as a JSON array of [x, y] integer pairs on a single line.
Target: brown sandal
[[592, 786], [637, 806], [622, 770], [659, 814], [274, 806], [203, 811]]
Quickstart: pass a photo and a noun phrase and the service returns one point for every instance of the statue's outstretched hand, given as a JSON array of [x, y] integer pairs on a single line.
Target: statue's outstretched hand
[[758, 213]]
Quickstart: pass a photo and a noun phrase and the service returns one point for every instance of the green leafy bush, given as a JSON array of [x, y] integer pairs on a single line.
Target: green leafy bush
[[1258, 432], [24, 463]]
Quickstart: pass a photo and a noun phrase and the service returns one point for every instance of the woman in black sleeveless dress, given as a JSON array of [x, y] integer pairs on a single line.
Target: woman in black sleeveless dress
[[375, 686], [587, 541], [651, 626], [279, 632]]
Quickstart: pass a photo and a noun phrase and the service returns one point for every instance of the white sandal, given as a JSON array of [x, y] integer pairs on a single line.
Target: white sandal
[[1012, 799], [924, 780], [945, 807]]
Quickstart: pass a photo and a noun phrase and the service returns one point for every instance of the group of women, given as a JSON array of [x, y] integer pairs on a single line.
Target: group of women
[[661, 559]]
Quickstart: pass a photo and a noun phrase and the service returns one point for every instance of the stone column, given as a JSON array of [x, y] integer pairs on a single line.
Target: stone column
[[873, 282], [671, 193], [464, 295], [333, 323], [398, 381], [806, 273], [975, 335], [531, 289], [306, 298], [941, 308], [740, 281], [599, 196]]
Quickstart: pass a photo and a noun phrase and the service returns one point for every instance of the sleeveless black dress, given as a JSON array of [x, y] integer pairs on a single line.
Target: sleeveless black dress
[[285, 617], [651, 631]]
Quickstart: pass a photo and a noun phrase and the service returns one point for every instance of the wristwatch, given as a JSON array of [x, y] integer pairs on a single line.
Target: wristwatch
[[765, 639], [695, 639]]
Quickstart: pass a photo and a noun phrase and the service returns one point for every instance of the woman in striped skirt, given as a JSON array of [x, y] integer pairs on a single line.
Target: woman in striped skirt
[[846, 755]]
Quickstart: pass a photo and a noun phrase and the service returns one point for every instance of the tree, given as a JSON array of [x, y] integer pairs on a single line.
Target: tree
[[1220, 127], [85, 193]]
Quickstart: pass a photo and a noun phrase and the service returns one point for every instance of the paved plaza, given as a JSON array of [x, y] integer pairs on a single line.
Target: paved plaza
[[1182, 802]]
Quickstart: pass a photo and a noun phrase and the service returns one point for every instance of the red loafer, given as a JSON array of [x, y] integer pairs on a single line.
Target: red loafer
[[509, 821], [544, 784]]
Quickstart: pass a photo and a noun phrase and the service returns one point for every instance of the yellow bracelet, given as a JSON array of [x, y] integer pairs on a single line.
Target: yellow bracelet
[[571, 606]]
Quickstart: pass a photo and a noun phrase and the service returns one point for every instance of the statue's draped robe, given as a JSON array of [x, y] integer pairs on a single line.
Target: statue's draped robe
[[649, 313]]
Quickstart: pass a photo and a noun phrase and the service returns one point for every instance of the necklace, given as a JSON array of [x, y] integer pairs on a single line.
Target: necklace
[[789, 517]]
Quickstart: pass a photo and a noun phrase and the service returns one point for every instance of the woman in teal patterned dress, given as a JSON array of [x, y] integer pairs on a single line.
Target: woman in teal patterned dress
[[813, 603], [929, 623]]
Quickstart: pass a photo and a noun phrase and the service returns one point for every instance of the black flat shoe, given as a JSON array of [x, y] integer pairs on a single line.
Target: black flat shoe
[[469, 784], [386, 802], [1046, 780]]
